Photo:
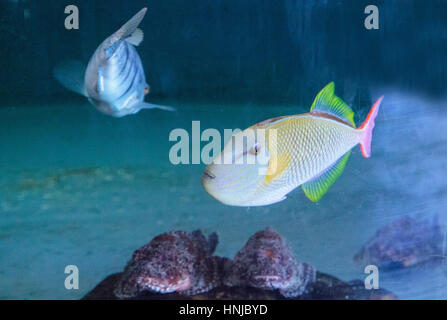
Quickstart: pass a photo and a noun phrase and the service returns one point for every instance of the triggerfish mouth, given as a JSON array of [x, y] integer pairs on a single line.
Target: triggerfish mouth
[[308, 150], [114, 80]]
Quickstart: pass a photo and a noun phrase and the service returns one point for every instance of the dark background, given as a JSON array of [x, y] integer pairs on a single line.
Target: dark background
[[233, 50]]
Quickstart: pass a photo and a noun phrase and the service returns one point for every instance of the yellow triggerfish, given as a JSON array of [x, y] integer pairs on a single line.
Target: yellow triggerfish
[[309, 149]]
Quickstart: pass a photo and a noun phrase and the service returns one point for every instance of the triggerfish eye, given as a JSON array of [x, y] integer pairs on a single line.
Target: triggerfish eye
[[256, 149]]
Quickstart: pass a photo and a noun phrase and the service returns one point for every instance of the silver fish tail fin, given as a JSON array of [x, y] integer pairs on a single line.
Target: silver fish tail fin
[[146, 105], [70, 74]]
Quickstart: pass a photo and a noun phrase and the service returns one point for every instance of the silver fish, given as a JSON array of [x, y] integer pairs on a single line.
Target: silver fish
[[114, 81]]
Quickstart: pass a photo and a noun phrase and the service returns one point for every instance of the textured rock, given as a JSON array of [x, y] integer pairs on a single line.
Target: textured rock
[[175, 261], [266, 262], [325, 287], [402, 243], [181, 265]]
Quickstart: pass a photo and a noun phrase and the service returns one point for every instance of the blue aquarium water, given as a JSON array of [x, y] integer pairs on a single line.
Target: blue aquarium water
[[78, 187]]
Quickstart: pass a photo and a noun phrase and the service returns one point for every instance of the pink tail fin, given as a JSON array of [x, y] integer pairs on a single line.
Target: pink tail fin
[[368, 126]]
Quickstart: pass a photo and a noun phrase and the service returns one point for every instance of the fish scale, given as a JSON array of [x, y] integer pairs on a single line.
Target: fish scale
[[313, 144]]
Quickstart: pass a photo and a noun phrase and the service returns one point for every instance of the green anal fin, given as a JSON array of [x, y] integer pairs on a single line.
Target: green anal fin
[[317, 187], [326, 101]]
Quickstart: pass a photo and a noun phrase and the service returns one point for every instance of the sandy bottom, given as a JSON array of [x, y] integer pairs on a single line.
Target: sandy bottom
[[79, 188]]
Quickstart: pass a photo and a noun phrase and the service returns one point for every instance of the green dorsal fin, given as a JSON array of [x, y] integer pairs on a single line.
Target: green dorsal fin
[[327, 102], [317, 187]]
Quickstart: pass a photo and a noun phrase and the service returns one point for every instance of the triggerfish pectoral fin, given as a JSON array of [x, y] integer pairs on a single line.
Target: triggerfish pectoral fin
[[368, 126], [327, 102], [277, 165], [317, 187]]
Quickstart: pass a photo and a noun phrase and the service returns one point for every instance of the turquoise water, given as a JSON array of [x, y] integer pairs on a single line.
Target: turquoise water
[[80, 188]]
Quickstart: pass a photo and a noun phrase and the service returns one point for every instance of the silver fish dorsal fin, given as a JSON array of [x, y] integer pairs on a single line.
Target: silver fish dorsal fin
[[327, 102], [128, 31], [130, 26], [136, 37]]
